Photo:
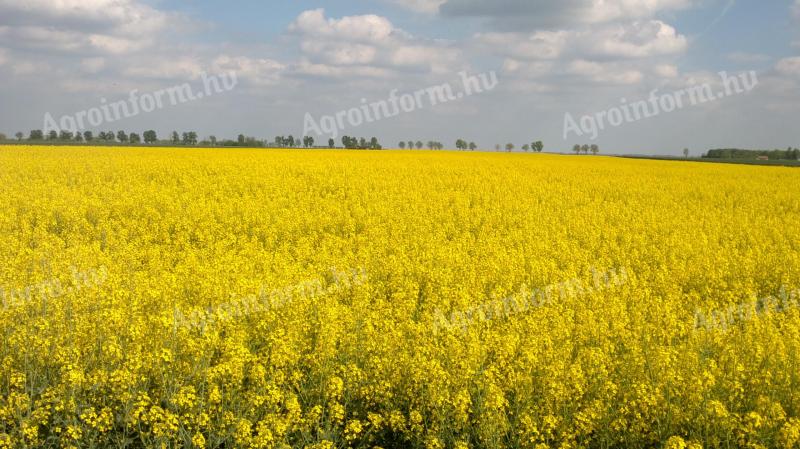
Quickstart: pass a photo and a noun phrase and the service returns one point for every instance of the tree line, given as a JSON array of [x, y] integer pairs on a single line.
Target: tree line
[[586, 149], [789, 154], [190, 138], [536, 147]]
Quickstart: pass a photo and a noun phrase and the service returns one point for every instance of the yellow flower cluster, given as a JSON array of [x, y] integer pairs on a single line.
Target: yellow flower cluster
[[254, 244]]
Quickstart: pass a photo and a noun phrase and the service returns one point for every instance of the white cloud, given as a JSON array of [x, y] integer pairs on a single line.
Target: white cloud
[[666, 71], [123, 17], [259, 71], [538, 45], [505, 13], [635, 40], [308, 68], [88, 26], [367, 28], [370, 43]]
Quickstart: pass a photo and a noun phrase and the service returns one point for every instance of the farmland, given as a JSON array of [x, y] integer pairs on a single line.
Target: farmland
[[319, 299]]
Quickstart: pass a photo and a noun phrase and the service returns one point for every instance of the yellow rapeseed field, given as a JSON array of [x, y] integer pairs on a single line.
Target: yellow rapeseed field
[[328, 299]]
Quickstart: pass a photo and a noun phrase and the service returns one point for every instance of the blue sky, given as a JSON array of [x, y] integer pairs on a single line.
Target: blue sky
[[300, 59]]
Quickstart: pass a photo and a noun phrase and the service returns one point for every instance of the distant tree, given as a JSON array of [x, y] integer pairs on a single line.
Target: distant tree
[[65, 136], [374, 144], [308, 141], [212, 139], [473, 146], [134, 138], [176, 139], [402, 145], [577, 149], [150, 136], [537, 146], [410, 144], [509, 147], [289, 141], [461, 144], [431, 144], [526, 148], [189, 138], [331, 143], [19, 136], [88, 136], [3, 136], [121, 136], [594, 149], [52, 135], [686, 153], [585, 149], [78, 137], [419, 145], [36, 134]]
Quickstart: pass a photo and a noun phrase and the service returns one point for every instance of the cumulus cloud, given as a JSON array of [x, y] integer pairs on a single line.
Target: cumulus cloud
[[550, 13], [538, 45], [110, 26], [588, 43], [366, 41], [666, 71], [633, 40], [258, 71]]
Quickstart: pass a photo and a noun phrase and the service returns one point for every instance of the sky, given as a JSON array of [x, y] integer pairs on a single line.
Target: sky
[[564, 71]]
